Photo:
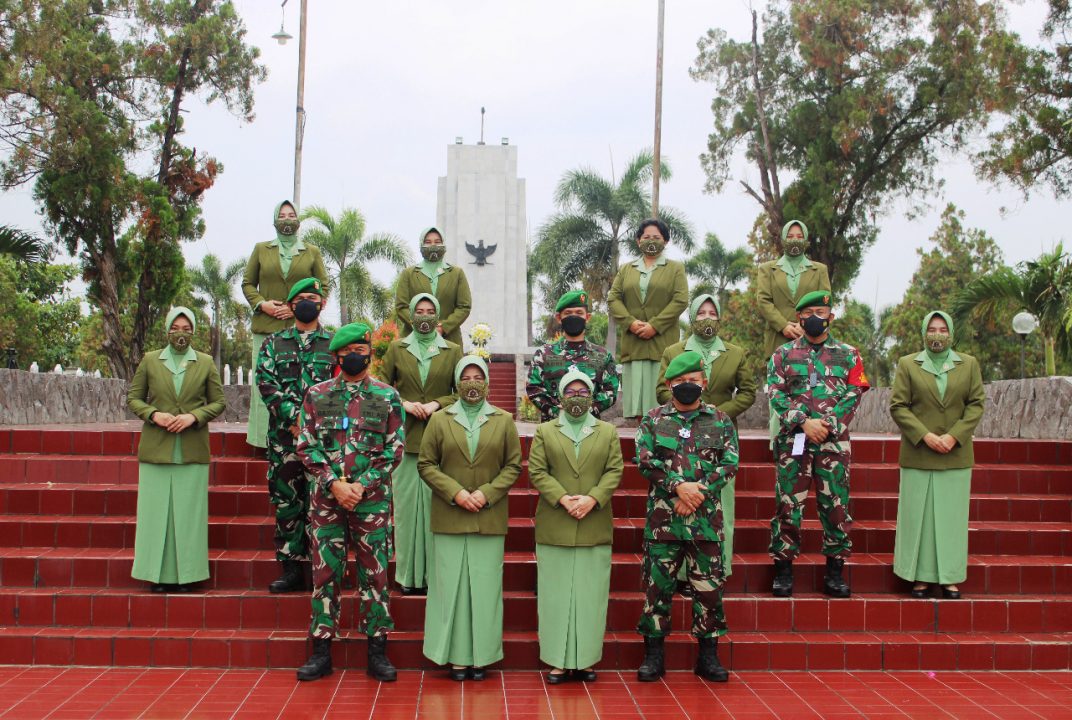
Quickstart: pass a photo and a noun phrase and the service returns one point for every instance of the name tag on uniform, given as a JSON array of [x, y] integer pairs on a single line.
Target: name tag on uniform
[[813, 379], [798, 445]]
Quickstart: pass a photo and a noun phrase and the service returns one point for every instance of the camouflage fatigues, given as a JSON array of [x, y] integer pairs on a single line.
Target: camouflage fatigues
[[351, 432], [807, 383], [552, 361], [287, 366], [672, 448]]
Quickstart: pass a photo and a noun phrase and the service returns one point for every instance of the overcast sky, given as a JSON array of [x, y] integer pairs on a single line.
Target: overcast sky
[[390, 85]]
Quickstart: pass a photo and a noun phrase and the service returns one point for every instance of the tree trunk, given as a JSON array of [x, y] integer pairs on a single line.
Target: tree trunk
[[217, 341], [612, 325], [113, 345]]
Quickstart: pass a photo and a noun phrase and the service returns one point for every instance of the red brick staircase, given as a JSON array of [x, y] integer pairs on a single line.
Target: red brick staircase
[[68, 496]]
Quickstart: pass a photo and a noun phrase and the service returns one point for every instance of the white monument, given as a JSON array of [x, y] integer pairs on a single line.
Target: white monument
[[481, 212]]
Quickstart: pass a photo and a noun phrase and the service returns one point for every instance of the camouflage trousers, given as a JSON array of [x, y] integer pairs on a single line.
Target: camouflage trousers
[[794, 475], [703, 562], [288, 490], [334, 530]]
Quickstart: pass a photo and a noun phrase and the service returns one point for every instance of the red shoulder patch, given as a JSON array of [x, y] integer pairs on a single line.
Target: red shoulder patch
[[857, 376]]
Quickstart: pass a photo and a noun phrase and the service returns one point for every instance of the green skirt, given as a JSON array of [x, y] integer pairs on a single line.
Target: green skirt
[[413, 536], [640, 378], [257, 430], [729, 505], [171, 538], [931, 544], [574, 585], [463, 617]]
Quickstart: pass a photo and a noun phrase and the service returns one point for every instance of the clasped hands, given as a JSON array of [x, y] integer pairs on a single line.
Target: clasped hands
[[276, 309], [940, 444], [471, 501], [423, 411], [347, 494], [690, 495], [173, 423], [793, 331], [643, 330], [578, 506], [815, 430]]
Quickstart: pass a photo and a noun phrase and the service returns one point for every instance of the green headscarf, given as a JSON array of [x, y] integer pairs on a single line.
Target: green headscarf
[[793, 266], [423, 338], [708, 349], [423, 346], [431, 270], [938, 364], [173, 360], [469, 416], [791, 223], [288, 244], [576, 429]]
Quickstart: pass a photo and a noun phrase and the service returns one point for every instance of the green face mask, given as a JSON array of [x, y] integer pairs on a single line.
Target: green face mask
[[472, 391], [576, 407], [433, 253], [794, 247], [179, 340], [287, 226], [652, 248], [705, 328], [425, 324], [938, 342]]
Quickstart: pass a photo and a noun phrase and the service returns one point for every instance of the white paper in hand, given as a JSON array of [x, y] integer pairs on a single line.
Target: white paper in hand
[[798, 445]]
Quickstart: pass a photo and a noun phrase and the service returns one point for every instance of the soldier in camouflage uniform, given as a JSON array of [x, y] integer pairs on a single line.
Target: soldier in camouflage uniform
[[352, 438], [553, 360], [688, 451], [290, 362], [815, 384]]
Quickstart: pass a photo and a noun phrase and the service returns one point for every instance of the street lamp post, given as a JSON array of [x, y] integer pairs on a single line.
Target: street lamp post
[[1023, 324], [299, 123]]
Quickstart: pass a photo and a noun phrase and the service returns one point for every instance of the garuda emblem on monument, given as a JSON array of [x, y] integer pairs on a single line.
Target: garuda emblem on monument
[[480, 252]]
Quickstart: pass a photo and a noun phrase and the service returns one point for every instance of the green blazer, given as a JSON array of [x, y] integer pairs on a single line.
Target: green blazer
[[777, 306], [728, 373], [400, 369], [455, 299], [555, 471], [917, 410], [264, 280], [153, 389], [667, 298], [445, 466]]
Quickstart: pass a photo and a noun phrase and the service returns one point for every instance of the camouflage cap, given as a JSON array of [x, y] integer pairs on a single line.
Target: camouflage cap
[[816, 298], [308, 285], [574, 298], [686, 362], [348, 334]]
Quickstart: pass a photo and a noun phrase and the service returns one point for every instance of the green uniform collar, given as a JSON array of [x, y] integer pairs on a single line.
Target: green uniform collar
[[642, 267], [716, 345], [794, 266]]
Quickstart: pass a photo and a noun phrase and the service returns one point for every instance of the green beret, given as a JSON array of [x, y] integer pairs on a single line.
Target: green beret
[[815, 298], [686, 362], [349, 334], [309, 285], [574, 298]]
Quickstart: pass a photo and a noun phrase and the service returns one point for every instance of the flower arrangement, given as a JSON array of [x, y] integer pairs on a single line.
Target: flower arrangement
[[381, 340], [480, 336]]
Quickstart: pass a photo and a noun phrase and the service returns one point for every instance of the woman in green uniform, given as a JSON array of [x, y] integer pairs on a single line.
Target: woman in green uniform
[[646, 298], [273, 268], [937, 401], [781, 283], [576, 463], [435, 276], [470, 456], [730, 387], [176, 391], [421, 368]]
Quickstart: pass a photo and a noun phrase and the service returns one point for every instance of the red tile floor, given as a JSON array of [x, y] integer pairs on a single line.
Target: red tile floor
[[57, 692]]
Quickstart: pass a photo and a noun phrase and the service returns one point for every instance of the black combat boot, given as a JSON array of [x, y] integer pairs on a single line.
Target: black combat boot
[[652, 668], [783, 578], [707, 664], [319, 664], [379, 667], [833, 584], [292, 578]]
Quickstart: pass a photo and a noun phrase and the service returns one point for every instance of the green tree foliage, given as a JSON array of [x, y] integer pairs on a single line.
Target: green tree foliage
[[857, 324], [347, 252], [715, 269], [95, 121], [1035, 146], [214, 284], [21, 245], [842, 106], [1042, 287], [580, 245], [743, 325], [958, 255], [38, 317]]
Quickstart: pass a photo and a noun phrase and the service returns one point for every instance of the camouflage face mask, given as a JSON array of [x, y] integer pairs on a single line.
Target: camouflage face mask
[[705, 328], [425, 324], [472, 391], [938, 342], [795, 247], [577, 406], [179, 340], [287, 226], [652, 248], [433, 253]]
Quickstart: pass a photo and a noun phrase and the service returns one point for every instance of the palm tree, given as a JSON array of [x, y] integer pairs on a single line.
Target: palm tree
[[214, 284], [22, 245], [347, 252], [716, 268], [596, 219], [1042, 287]]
